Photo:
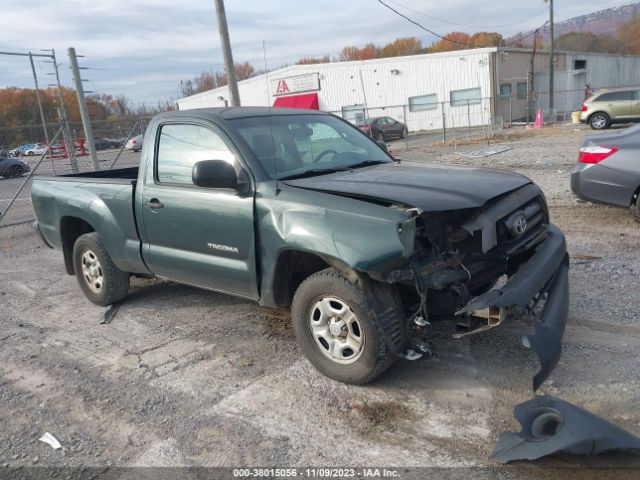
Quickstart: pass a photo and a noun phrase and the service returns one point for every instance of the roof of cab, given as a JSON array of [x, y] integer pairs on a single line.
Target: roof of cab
[[228, 113]]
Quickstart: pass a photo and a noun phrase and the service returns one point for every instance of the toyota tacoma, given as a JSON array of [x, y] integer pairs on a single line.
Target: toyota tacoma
[[301, 210]]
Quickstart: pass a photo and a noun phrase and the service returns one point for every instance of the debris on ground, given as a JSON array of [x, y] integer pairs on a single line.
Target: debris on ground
[[51, 440], [110, 314], [550, 425]]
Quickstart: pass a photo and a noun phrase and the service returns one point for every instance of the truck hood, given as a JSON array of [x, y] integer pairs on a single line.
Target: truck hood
[[430, 187]]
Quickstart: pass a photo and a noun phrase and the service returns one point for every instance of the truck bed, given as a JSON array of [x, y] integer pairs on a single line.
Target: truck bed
[[118, 175], [102, 201]]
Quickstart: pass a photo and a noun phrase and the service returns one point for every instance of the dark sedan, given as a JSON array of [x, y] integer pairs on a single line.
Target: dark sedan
[[608, 170], [106, 143], [12, 167], [384, 128]]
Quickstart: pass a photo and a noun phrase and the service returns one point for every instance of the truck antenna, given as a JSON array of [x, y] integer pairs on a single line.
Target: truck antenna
[[266, 79]]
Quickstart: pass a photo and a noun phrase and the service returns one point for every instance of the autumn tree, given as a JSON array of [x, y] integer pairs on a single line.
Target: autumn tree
[[313, 60], [208, 80], [486, 39], [402, 46], [451, 41], [628, 35], [369, 51]]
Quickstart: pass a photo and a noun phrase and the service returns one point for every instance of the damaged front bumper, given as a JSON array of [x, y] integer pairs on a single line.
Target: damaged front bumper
[[546, 273]]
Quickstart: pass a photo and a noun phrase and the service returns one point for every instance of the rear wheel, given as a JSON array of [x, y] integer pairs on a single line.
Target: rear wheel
[[599, 121], [101, 281], [334, 322], [15, 171]]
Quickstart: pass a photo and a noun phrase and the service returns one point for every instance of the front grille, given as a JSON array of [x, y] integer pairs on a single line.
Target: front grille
[[510, 229]]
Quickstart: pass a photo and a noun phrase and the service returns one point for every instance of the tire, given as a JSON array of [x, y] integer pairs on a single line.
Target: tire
[[404, 132], [380, 137], [15, 172], [328, 293], [599, 121], [29, 153], [101, 281], [637, 210]]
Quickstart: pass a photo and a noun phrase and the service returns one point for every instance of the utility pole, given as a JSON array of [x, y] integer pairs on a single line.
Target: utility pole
[[226, 52], [84, 112], [44, 123], [62, 115], [552, 55]]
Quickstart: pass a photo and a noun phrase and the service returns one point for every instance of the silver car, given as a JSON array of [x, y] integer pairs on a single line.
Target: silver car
[[608, 170]]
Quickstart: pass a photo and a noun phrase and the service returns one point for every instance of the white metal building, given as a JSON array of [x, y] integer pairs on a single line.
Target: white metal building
[[456, 89]]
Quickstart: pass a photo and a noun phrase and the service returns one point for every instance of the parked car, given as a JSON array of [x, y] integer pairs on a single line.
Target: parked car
[[135, 143], [300, 209], [609, 106], [384, 128], [13, 167], [608, 170], [106, 143], [33, 149]]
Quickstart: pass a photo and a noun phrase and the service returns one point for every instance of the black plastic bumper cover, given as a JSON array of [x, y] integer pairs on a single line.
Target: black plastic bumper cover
[[551, 425], [546, 271]]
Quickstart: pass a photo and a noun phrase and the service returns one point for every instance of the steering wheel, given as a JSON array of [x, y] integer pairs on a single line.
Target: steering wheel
[[323, 153]]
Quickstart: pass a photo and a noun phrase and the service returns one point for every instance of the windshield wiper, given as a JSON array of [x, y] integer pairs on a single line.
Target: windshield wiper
[[324, 171], [310, 172], [366, 163]]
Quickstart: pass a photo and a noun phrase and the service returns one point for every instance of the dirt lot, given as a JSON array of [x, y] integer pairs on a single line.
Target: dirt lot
[[186, 377]]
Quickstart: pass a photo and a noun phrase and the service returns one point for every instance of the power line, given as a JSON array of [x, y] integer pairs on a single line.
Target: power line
[[465, 25], [423, 27]]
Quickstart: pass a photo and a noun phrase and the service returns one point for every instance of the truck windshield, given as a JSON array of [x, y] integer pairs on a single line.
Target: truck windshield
[[293, 145]]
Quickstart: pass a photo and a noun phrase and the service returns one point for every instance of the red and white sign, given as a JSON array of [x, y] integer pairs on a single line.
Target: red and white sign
[[308, 82]]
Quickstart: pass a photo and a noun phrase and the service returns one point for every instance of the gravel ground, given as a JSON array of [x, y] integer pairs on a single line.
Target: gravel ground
[[192, 378]]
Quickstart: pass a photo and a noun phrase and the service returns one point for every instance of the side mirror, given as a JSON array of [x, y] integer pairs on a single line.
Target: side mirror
[[214, 174], [382, 145]]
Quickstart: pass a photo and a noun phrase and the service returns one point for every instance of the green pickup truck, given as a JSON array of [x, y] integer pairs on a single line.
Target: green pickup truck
[[301, 210]]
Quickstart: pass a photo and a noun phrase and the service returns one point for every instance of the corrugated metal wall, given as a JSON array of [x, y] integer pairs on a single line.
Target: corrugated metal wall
[[387, 85], [601, 71]]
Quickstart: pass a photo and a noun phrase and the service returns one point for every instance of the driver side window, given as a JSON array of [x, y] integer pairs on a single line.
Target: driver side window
[[181, 146]]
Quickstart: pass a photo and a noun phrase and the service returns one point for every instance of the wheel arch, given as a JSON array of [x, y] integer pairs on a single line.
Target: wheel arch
[[71, 228], [291, 268]]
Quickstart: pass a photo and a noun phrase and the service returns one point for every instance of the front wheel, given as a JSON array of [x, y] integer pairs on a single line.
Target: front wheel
[[334, 323], [380, 137], [101, 281]]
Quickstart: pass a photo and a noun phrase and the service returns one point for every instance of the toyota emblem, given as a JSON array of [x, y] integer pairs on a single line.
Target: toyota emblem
[[519, 225]]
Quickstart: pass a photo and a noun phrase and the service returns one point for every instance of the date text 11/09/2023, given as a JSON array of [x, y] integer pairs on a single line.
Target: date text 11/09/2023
[[315, 472]]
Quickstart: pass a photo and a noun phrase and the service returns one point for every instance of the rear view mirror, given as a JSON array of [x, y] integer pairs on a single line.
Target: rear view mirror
[[214, 174]]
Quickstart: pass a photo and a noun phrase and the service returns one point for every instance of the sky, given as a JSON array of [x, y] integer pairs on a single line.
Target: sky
[[143, 48]]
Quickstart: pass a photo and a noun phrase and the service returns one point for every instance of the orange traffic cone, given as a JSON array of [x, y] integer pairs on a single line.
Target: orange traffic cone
[[539, 122]]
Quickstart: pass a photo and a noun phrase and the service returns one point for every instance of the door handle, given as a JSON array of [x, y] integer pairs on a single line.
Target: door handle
[[154, 203]]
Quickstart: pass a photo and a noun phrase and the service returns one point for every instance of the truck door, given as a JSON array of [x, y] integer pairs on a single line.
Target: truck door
[[200, 236]]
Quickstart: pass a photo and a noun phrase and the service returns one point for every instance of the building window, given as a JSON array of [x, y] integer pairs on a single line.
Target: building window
[[423, 102], [579, 64], [505, 90], [521, 91], [354, 114], [468, 96]]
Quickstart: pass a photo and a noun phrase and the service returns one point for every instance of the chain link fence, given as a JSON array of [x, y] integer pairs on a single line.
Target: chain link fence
[[436, 121], [17, 168]]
